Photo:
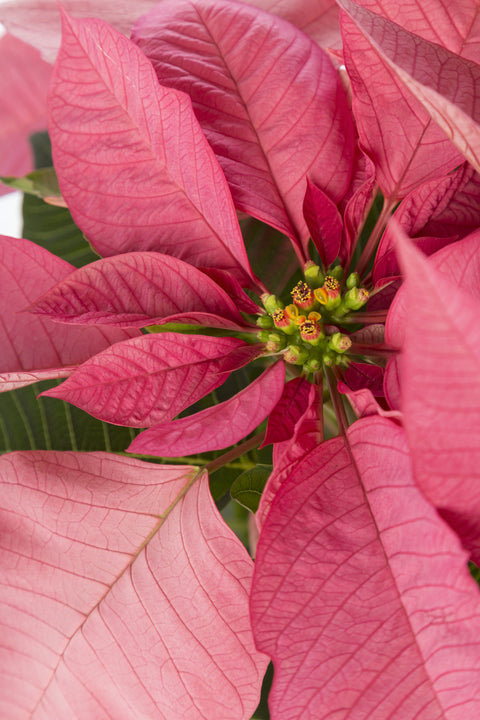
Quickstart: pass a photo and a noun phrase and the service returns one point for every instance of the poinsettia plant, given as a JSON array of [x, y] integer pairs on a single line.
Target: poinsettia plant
[[277, 311]]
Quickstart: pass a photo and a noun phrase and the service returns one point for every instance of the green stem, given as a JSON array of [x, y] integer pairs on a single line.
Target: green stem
[[336, 401], [370, 318], [372, 242], [234, 453]]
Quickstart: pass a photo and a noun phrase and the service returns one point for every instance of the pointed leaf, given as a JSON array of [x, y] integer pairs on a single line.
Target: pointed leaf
[[440, 387], [361, 593], [138, 289], [395, 130], [317, 18], [364, 403], [216, 427], [149, 379], [443, 83], [128, 193], [455, 26], [289, 409], [462, 213], [361, 375], [38, 23], [33, 348], [413, 213], [121, 598], [23, 92], [271, 120], [324, 222], [308, 434], [248, 487]]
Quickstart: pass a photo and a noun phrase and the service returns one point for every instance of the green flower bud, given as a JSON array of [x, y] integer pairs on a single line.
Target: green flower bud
[[271, 303], [353, 280], [336, 272], [339, 343], [277, 339], [295, 355], [313, 275], [312, 365], [263, 335], [355, 298], [328, 359], [265, 321]]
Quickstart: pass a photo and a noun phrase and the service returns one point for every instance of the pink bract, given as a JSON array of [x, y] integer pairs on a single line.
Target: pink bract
[[126, 596]]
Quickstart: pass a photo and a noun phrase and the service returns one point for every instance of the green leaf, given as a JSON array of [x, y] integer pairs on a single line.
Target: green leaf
[[28, 423], [41, 183], [53, 228], [248, 487], [474, 571], [42, 149], [270, 253]]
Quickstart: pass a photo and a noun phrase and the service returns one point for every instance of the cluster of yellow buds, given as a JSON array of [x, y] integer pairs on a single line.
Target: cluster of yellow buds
[[297, 329]]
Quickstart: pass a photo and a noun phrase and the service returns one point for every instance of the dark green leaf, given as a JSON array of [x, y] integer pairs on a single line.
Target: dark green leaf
[[28, 423], [270, 253], [248, 487], [53, 228], [42, 149]]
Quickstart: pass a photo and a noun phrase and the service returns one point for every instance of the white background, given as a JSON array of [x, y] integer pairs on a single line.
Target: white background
[[11, 204]]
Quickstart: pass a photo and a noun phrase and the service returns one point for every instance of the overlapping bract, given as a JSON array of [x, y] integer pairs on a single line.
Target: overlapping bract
[[362, 595], [114, 602]]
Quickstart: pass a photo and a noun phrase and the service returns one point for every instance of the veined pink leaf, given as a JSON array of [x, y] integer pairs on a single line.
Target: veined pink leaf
[[216, 427], [150, 379], [413, 213], [324, 223], [364, 403], [132, 161], [23, 94], [361, 593], [443, 83], [33, 348], [272, 120], [461, 215], [121, 598], [307, 435], [233, 289], [358, 206], [138, 289], [440, 383], [317, 18], [363, 375], [453, 25], [288, 411], [398, 134], [38, 23]]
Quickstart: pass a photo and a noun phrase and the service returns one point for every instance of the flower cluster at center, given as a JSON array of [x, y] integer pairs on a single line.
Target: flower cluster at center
[[306, 330]]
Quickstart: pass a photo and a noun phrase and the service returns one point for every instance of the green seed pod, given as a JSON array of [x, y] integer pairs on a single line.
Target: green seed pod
[[295, 355], [339, 343], [277, 339], [265, 322], [271, 303], [353, 280], [355, 298], [263, 335], [313, 275], [336, 272], [312, 365]]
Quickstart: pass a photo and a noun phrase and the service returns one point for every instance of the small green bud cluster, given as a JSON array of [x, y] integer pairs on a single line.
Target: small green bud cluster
[[297, 330]]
